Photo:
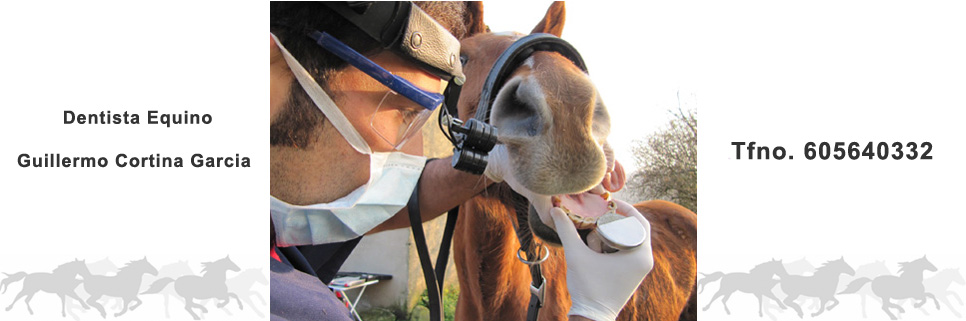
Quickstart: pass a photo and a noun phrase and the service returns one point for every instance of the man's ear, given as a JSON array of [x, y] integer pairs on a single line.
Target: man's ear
[[275, 53]]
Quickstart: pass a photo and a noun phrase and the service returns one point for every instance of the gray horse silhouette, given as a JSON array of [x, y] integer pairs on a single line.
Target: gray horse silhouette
[[758, 281], [124, 285], [797, 267], [907, 285], [62, 282], [939, 285], [173, 271], [242, 286], [212, 284], [871, 271], [822, 285]]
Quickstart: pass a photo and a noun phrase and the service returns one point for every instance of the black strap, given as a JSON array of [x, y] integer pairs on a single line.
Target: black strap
[[528, 244], [512, 57], [442, 258], [434, 276]]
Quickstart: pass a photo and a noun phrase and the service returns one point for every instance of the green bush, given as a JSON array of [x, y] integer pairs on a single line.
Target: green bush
[[450, 294]]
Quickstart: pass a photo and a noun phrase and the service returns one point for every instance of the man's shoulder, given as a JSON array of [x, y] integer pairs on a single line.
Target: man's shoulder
[[299, 296]]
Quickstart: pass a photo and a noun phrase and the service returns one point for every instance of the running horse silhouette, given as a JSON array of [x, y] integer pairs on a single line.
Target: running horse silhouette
[[210, 285], [822, 285], [939, 286], [242, 286], [173, 270], [907, 285], [759, 281], [554, 126], [871, 271], [62, 282], [124, 285]]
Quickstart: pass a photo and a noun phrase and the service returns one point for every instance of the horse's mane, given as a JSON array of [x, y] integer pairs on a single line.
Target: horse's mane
[[216, 264], [905, 266], [127, 266], [62, 267], [206, 265], [761, 266], [825, 266]]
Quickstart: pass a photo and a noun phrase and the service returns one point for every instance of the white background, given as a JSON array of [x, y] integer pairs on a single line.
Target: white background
[[775, 73], [122, 56]]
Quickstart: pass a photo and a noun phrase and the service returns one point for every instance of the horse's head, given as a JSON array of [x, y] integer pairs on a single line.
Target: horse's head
[[839, 266], [925, 264], [228, 264], [957, 276], [75, 267], [917, 265], [552, 121], [142, 266], [773, 267]]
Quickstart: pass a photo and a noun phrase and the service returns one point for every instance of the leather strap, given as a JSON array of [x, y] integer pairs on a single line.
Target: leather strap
[[433, 285], [434, 277]]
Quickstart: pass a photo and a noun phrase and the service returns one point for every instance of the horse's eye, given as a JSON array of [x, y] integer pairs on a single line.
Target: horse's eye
[[463, 59]]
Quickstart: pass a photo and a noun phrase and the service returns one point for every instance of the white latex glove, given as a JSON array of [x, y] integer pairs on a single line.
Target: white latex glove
[[600, 284], [497, 164], [498, 170]]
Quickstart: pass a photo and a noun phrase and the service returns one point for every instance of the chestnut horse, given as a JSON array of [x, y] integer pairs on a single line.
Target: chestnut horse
[[554, 126]]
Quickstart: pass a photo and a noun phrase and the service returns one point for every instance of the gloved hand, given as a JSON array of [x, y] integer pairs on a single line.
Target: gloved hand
[[497, 164], [600, 284], [498, 170]]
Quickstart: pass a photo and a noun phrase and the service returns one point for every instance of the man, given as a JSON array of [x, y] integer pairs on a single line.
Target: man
[[347, 101]]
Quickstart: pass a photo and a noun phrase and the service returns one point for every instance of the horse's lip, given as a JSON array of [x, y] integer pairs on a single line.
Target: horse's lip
[[583, 209]]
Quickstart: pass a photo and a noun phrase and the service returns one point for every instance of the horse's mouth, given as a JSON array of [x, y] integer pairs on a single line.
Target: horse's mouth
[[585, 208]]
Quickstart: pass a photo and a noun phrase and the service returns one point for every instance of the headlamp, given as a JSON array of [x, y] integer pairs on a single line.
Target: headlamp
[[408, 31]]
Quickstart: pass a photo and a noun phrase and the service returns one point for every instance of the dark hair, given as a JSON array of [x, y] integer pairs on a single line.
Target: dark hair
[[298, 120]]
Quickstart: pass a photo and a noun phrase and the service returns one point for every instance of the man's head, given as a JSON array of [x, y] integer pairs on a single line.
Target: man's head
[[295, 120], [307, 152]]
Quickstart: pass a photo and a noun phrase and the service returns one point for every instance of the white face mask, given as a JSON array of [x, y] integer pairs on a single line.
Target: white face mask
[[392, 178]]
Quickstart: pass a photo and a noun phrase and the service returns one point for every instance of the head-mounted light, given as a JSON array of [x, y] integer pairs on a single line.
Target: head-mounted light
[[408, 31]]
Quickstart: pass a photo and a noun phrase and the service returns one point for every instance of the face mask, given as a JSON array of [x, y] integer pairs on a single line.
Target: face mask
[[392, 178]]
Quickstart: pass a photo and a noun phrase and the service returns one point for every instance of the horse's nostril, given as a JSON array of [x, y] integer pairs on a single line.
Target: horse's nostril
[[516, 112]]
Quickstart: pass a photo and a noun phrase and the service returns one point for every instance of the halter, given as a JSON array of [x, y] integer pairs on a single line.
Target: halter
[[472, 141]]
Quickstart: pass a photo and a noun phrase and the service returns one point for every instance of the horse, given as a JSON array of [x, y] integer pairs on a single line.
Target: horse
[[124, 285], [554, 125], [939, 285], [870, 270], [797, 267], [242, 286], [759, 281], [822, 285], [212, 284], [174, 271], [62, 281], [907, 285]]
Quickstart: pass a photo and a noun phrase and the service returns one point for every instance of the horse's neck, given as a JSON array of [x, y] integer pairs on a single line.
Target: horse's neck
[[488, 245], [126, 274], [913, 276], [66, 274], [215, 276], [762, 274]]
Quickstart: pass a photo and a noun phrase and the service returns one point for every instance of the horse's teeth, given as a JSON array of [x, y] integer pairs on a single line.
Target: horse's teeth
[[598, 190]]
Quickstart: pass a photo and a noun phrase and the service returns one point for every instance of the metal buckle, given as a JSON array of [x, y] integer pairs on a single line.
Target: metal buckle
[[546, 255], [539, 292]]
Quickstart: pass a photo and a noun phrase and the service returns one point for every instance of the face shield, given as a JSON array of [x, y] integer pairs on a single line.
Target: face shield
[[404, 108], [410, 33]]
